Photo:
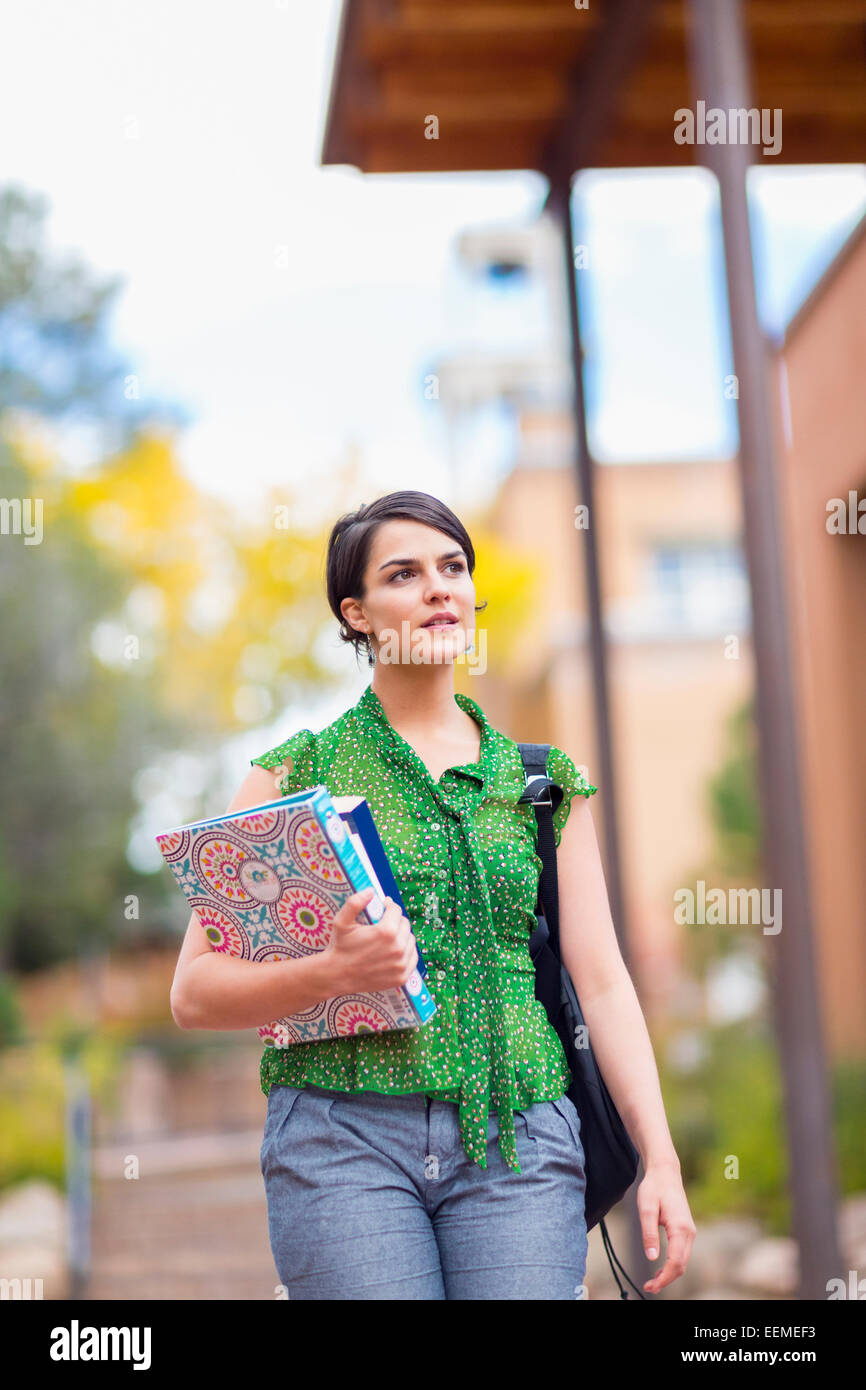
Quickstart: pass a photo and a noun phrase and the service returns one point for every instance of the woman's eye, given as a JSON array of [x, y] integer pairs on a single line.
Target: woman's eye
[[454, 564]]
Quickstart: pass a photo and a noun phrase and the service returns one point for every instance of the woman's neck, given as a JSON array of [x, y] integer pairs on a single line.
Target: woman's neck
[[419, 699]]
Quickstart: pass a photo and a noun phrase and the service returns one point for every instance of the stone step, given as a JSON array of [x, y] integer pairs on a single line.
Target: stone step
[[178, 1153], [193, 1225], [146, 1285]]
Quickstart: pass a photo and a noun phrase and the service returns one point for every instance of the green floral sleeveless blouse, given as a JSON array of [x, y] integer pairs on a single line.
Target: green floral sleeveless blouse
[[464, 857]]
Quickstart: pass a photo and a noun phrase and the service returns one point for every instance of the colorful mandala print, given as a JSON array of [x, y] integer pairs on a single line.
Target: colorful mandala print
[[175, 845], [274, 1035], [355, 1015], [279, 951], [312, 849], [259, 880], [304, 916], [262, 825], [222, 930], [217, 861]]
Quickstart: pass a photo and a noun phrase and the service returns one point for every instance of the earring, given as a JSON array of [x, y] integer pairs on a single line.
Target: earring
[[371, 660]]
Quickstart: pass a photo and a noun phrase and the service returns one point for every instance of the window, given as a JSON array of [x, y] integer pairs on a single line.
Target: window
[[699, 587]]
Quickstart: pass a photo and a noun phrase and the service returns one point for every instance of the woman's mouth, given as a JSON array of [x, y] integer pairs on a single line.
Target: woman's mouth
[[440, 622]]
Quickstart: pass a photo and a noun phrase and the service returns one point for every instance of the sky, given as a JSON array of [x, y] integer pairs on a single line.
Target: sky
[[295, 310]]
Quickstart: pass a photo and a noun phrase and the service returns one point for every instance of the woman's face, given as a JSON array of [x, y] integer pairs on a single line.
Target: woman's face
[[414, 573]]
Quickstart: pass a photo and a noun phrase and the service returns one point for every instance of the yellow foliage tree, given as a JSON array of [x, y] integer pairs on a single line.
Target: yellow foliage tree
[[230, 611]]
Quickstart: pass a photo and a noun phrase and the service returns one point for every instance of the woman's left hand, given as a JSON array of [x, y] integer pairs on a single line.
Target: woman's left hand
[[661, 1200]]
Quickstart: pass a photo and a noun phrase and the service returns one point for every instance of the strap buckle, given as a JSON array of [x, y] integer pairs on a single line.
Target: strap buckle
[[537, 791]]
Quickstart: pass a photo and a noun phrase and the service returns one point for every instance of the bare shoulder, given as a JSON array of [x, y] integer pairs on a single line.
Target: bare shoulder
[[260, 784]]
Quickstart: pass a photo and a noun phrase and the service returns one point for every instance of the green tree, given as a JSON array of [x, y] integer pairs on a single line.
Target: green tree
[[108, 667], [73, 733]]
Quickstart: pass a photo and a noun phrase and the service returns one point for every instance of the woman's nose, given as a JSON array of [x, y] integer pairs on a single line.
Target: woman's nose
[[438, 586]]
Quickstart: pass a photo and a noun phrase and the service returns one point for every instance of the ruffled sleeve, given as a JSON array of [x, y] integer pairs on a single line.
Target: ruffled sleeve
[[563, 772], [293, 764]]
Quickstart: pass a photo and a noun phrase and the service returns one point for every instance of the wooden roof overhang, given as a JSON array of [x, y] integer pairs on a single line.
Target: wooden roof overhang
[[517, 83]]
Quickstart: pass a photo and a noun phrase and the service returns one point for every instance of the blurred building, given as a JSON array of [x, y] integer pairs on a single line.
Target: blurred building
[[823, 371], [675, 595], [676, 603]]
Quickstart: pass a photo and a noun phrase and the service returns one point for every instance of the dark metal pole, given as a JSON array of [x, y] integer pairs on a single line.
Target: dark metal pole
[[559, 206], [595, 91], [720, 77]]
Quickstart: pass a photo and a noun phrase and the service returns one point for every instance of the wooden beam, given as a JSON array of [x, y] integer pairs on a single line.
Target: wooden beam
[[438, 45], [780, 14], [809, 145], [526, 17], [555, 16], [470, 150], [826, 104], [492, 151], [650, 99], [673, 14], [448, 81], [469, 109]]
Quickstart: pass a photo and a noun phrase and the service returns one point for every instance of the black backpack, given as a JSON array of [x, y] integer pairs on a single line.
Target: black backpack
[[611, 1159]]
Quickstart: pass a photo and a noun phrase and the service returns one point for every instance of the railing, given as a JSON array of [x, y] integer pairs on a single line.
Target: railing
[[78, 1160]]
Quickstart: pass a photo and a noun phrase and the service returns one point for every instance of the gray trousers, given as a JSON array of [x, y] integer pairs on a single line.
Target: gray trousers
[[372, 1197]]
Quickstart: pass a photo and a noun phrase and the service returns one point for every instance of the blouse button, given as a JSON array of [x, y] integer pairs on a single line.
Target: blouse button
[[435, 826], [440, 974]]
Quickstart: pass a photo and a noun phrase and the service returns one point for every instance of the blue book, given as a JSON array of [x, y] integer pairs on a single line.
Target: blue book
[[266, 882]]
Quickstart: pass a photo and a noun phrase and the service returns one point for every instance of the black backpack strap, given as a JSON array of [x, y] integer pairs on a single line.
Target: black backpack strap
[[545, 795]]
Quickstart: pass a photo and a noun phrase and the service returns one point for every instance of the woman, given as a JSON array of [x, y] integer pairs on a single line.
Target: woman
[[443, 1162]]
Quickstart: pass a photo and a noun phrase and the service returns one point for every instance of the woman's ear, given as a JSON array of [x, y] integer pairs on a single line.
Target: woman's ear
[[353, 615]]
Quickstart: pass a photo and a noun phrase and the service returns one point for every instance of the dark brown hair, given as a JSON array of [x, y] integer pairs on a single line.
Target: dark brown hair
[[352, 537]]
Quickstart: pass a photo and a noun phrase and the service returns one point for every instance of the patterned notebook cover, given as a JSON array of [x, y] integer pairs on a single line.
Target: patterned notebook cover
[[265, 884]]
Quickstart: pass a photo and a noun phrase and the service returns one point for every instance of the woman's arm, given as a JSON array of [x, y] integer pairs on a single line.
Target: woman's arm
[[619, 1037], [614, 1019]]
